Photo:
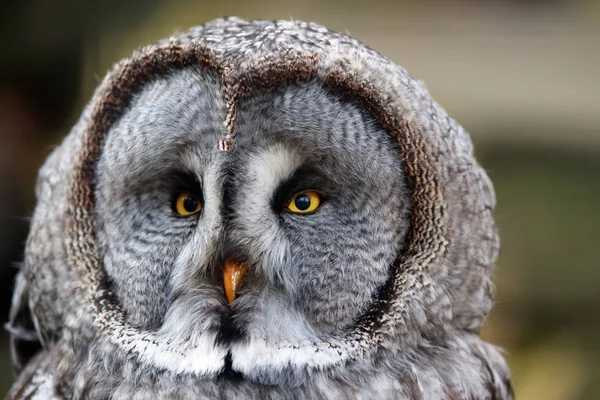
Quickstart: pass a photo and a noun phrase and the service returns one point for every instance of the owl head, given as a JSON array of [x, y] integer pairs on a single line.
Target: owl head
[[262, 198]]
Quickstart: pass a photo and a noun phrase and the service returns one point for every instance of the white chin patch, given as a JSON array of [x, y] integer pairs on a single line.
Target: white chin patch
[[258, 356], [203, 358], [254, 358]]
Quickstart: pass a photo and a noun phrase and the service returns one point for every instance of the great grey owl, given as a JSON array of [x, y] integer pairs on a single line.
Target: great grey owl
[[259, 210]]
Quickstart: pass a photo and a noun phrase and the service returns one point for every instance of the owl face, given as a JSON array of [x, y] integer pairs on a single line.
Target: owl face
[[310, 200]]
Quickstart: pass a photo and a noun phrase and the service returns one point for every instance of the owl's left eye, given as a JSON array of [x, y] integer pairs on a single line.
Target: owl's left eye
[[304, 202], [187, 204]]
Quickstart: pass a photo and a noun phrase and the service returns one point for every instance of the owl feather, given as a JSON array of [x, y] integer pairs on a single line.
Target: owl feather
[[380, 291]]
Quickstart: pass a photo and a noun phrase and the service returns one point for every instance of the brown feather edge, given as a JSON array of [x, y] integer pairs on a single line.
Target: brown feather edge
[[427, 238]]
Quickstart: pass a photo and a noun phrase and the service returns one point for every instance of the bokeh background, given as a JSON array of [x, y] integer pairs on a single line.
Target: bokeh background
[[522, 76]]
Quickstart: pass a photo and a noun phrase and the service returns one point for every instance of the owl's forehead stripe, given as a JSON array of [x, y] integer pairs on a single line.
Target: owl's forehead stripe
[[266, 73], [427, 239]]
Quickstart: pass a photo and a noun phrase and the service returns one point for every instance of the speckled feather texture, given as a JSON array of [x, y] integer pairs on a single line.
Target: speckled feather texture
[[91, 320]]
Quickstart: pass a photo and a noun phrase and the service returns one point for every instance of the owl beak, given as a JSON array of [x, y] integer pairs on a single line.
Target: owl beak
[[232, 278]]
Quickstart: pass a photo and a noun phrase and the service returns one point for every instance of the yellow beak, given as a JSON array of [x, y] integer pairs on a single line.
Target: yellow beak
[[232, 278]]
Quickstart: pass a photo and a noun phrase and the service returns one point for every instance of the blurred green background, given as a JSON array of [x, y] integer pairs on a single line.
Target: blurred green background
[[522, 76]]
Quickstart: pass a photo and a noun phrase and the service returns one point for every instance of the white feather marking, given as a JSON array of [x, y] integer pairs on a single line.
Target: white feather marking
[[259, 355], [41, 387], [204, 358]]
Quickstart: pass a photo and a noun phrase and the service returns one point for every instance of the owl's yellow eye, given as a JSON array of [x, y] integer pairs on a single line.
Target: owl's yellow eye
[[304, 202], [187, 204]]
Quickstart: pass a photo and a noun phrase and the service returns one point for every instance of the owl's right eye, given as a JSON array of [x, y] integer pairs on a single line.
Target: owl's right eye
[[187, 204], [304, 202]]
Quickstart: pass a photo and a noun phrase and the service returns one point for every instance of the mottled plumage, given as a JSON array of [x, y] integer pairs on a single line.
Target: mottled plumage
[[380, 293]]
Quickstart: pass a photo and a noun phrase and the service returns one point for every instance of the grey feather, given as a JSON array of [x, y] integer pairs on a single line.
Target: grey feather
[[380, 293]]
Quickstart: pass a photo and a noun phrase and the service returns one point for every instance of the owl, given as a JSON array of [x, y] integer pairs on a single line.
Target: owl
[[265, 210]]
